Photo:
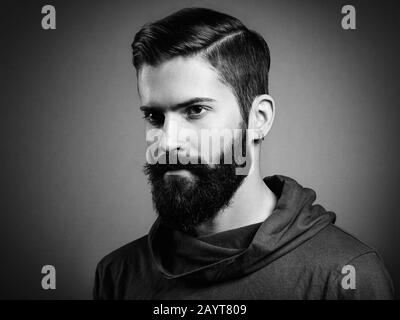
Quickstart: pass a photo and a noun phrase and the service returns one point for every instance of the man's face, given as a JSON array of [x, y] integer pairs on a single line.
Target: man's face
[[185, 94]]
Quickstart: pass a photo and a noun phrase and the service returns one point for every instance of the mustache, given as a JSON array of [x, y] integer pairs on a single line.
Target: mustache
[[196, 165], [158, 170], [166, 163], [175, 158]]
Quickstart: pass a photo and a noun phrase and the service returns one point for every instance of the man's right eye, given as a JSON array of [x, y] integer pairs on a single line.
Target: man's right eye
[[154, 118]]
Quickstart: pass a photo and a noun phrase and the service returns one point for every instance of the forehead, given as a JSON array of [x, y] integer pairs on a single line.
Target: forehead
[[180, 79]]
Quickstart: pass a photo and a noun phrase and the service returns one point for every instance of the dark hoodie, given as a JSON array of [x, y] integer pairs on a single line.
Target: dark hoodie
[[296, 253]]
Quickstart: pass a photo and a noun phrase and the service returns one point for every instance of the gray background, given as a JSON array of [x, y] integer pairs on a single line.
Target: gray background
[[73, 138]]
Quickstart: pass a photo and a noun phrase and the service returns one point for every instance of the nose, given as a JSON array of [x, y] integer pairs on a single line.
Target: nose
[[170, 139]]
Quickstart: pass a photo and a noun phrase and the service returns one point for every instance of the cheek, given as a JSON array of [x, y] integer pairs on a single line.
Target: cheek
[[211, 143], [216, 135]]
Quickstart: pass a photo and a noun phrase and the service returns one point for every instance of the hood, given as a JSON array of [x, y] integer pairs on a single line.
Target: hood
[[238, 252]]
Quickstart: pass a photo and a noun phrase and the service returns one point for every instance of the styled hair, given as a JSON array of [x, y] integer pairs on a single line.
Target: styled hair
[[240, 56]]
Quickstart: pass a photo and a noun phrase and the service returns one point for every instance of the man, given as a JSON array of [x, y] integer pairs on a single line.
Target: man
[[223, 231]]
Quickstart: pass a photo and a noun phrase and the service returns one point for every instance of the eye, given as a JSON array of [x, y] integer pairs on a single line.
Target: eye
[[154, 118], [195, 111]]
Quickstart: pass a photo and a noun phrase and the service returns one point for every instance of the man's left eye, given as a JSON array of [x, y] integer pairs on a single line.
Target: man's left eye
[[195, 111]]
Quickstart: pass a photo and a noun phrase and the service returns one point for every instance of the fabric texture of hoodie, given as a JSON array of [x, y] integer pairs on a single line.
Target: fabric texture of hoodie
[[296, 253]]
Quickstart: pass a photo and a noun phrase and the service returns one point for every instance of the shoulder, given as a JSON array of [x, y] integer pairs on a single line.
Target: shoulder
[[334, 247], [118, 267], [331, 249], [333, 242], [340, 253], [128, 254]]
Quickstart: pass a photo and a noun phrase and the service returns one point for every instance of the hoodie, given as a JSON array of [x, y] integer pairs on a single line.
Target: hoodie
[[296, 253]]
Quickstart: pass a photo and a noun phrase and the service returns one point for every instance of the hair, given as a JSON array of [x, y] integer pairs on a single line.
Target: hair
[[240, 56]]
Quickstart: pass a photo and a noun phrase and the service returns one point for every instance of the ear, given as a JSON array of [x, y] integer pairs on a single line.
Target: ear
[[261, 116]]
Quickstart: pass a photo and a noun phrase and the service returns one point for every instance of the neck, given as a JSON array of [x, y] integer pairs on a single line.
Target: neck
[[252, 203]]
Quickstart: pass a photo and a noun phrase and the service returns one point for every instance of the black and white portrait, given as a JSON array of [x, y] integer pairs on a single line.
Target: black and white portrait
[[200, 150]]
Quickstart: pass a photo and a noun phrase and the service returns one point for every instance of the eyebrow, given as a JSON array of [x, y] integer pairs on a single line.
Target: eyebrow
[[179, 105]]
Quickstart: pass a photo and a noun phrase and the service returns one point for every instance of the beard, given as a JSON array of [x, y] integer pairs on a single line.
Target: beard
[[184, 202]]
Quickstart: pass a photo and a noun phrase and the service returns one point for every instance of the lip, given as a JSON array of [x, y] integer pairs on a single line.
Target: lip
[[180, 172]]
